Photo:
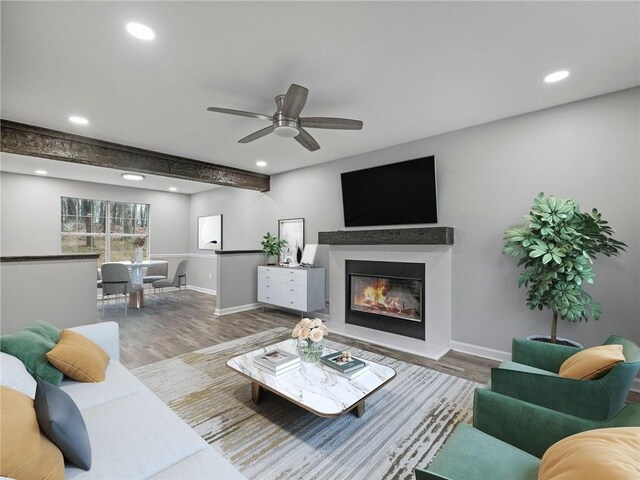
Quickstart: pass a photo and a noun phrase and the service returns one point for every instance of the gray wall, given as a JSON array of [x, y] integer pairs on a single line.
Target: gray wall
[[62, 293], [487, 178], [203, 263], [31, 213], [237, 281], [202, 272]]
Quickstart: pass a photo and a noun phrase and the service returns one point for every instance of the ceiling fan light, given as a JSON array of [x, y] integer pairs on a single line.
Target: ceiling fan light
[[287, 132]]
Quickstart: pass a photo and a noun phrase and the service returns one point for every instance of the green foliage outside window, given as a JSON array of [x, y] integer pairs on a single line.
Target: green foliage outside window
[[106, 228]]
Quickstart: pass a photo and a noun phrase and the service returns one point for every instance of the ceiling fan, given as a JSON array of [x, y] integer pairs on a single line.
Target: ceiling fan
[[286, 122]]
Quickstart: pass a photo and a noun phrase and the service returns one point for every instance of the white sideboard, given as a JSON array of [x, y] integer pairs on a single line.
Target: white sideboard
[[295, 288]]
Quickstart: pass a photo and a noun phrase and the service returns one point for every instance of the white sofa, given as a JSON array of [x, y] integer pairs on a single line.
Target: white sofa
[[133, 434]]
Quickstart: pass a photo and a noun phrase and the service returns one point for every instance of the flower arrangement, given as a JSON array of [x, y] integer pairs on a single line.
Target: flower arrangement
[[310, 334], [139, 241]]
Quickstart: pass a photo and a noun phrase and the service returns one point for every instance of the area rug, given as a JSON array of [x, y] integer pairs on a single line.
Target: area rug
[[405, 424]]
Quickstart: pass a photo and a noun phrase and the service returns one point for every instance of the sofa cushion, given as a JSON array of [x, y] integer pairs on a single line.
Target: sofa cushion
[[61, 421], [45, 330], [118, 382], [13, 374], [199, 467], [592, 363], [135, 437], [611, 453], [31, 348], [79, 358], [25, 453]]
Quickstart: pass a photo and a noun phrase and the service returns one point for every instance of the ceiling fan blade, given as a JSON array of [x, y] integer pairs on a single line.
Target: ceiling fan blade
[[307, 141], [240, 113], [256, 135], [294, 101], [329, 122]]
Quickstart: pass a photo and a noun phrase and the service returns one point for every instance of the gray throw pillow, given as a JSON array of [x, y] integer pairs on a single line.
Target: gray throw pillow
[[61, 421]]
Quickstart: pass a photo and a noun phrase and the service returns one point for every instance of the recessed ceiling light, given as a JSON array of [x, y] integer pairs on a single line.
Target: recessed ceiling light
[[173, 189], [140, 31], [133, 176], [556, 76], [41, 172], [78, 120], [261, 163]]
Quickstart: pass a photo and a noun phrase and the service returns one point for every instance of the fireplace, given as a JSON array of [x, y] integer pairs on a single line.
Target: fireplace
[[387, 296]]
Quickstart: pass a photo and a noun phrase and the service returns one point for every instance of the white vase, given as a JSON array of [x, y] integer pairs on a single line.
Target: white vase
[[138, 255]]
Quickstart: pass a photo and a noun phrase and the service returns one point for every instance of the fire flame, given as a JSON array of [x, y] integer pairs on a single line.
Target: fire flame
[[375, 293]]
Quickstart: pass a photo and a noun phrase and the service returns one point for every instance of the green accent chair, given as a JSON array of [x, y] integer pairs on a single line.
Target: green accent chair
[[508, 438], [532, 376], [532, 428]]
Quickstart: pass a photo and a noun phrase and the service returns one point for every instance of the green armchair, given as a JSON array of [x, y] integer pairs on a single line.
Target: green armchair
[[508, 438], [532, 376]]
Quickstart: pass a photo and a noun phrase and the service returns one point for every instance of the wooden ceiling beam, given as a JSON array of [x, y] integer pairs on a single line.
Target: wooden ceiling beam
[[23, 139]]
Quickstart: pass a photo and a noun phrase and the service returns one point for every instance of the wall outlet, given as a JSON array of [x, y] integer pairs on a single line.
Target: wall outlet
[[209, 276]]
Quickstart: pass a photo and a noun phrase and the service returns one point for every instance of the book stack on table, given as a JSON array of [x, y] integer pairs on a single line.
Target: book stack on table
[[277, 362], [350, 369]]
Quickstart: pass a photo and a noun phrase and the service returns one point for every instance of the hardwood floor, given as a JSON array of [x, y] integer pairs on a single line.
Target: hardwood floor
[[172, 329]]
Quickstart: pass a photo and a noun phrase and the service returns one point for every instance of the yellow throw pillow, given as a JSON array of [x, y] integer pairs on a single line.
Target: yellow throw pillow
[[79, 358], [25, 453], [592, 363], [605, 453]]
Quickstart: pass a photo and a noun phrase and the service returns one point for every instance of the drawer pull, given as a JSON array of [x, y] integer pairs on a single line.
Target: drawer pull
[[291, 289]]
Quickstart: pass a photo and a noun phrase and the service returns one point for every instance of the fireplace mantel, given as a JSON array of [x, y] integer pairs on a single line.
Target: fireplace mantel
[[395, 236]]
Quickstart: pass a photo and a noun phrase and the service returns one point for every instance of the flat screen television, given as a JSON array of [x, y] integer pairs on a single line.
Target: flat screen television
[[401, 193]]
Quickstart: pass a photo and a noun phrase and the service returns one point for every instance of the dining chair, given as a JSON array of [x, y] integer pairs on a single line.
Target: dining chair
[[155, 271], [117, 281], [179, 280], [99, 282]]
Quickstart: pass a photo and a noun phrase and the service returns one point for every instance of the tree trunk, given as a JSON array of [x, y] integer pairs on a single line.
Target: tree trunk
[[554, 327]]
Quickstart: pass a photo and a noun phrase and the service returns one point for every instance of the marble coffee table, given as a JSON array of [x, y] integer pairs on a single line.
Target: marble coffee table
[[313, 387]]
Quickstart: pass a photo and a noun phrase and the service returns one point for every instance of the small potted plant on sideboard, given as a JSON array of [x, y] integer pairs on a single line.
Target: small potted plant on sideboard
[[272, 247], [557, 245]]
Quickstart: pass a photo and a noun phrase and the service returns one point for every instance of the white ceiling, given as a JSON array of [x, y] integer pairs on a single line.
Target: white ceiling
[[407, 69]]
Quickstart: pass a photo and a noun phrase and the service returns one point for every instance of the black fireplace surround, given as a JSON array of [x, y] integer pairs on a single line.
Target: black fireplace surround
[[396, 316]]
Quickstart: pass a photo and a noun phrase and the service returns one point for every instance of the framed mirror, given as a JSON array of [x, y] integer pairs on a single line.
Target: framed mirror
[[210, 232], [292, 230]]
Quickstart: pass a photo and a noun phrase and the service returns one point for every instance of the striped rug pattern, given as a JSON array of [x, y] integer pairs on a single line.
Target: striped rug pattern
[[405, 424]]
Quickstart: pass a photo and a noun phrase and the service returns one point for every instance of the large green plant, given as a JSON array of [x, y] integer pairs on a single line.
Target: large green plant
[[271, 245], [556, 246]]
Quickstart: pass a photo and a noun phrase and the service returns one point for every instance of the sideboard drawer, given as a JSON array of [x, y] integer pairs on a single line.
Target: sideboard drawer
[[291, 287]]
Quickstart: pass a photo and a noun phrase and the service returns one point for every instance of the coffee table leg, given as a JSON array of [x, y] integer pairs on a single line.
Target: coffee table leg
[[256, 392], [359, 410]]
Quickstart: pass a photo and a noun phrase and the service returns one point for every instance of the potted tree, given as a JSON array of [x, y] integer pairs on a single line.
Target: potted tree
[[272, 247], [557, 245]]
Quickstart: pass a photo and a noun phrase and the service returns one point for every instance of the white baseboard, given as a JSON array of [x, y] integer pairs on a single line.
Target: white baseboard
[[208, 291], [239, 308], [479, 351]]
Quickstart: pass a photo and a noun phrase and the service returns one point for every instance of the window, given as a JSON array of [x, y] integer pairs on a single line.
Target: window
[[106, 228]]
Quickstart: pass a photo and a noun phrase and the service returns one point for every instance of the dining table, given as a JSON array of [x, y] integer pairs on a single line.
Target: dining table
[[137, 272]]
